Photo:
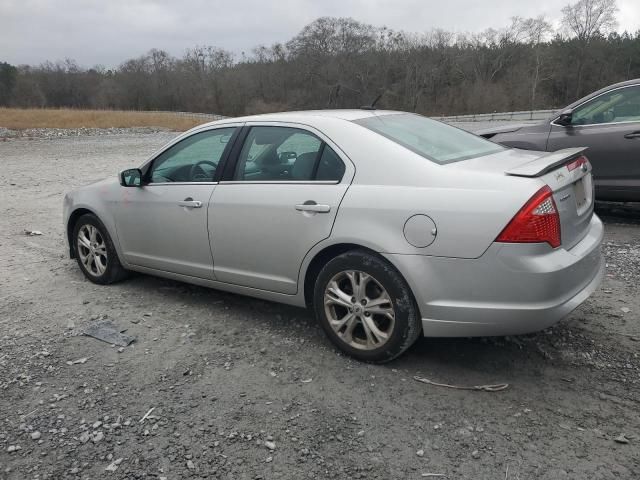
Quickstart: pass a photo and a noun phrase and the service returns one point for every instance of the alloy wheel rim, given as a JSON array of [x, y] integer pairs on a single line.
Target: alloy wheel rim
[[92, 250], [359, 310]]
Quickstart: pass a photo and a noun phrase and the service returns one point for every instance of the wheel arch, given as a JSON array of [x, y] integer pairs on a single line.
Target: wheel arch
[[325, 255], [71, 223]]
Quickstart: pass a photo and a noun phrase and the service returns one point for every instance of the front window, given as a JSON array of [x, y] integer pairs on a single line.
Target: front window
[[433, 140], [193, 159], [620, 105]]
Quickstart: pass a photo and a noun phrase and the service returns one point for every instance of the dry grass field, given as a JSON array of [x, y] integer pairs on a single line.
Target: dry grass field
[[20, 119]]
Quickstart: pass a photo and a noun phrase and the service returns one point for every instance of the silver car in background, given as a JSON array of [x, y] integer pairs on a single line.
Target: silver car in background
[[388, 224]]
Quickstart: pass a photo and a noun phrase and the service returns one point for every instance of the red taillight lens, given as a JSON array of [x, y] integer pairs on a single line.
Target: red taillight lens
[[577, 163], [537, 222]]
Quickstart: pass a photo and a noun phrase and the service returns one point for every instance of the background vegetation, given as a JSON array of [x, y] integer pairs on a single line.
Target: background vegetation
[[340, 62], [23, 118]]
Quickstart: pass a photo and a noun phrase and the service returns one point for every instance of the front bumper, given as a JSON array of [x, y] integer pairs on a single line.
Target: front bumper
[[511, 289]]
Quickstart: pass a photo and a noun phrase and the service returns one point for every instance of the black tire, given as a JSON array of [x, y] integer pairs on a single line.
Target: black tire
[[114, 272], [407, 322]]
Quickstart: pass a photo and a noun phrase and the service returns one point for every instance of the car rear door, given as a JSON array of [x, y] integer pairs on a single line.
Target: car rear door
[[609, 125], [279, 198], [162, 224]]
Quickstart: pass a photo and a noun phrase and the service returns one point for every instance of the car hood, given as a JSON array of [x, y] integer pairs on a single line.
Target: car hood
[[508, 128]]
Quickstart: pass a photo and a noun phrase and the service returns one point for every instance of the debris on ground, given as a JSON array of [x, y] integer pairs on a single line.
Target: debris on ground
[[485, 388], [621, 439], [113, 466], [32, 233], [78, 361], [146, 415], [108, 332]]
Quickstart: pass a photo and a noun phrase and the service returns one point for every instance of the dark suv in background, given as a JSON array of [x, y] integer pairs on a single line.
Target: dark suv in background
[[606, 121]]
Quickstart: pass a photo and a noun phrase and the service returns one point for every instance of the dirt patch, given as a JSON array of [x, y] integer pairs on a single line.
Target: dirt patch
[[245, 389]]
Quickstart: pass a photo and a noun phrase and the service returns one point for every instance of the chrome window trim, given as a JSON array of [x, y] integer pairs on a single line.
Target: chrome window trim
[[595, 124], [156, 184], [280, 182], [590, 100]]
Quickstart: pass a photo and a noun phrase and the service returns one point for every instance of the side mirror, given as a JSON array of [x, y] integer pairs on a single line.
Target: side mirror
[[131, 177], [565, 118]]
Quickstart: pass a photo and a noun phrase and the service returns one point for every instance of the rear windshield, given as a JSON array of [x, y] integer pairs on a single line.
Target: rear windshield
[[433, 140]]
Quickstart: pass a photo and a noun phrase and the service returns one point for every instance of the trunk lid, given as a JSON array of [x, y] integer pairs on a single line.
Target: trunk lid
[[546, 162], [572, 188], [572, 185]]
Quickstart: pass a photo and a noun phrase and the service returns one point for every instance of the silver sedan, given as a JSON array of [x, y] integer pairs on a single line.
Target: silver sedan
[[388, 224]]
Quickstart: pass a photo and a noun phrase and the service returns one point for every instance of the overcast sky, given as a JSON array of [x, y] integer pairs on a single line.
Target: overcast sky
[[107, 32]]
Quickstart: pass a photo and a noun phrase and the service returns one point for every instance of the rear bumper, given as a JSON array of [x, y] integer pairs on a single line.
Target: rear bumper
[[511, 289]]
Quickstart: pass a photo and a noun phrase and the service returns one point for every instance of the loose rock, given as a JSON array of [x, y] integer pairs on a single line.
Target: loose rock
[[621, 439]]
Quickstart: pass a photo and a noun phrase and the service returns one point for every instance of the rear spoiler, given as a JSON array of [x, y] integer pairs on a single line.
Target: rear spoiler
[[546, 163]]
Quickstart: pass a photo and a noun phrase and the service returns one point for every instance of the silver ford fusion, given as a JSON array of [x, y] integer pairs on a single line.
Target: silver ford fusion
[[388, 224]]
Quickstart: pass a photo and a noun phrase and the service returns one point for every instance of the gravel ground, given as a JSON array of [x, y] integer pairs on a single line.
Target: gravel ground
[[31, 133], [245, 389]]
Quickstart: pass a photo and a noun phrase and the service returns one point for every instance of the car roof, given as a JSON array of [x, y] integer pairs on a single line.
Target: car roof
[[305, 116]]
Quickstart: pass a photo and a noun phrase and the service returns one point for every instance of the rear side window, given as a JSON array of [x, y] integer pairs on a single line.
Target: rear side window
[[330, 166], [286, 154], [433, 140]]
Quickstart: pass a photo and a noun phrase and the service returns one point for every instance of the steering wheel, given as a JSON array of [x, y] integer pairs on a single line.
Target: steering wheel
[[201, 177]]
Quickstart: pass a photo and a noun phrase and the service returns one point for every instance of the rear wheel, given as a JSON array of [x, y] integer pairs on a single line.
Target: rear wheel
[[366, 307], [95, 252]]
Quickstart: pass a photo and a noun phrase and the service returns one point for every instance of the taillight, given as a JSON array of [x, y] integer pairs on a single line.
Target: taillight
[[537, 222], [577, 163]]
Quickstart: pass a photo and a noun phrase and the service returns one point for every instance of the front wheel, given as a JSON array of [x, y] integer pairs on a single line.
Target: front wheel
[[366, 307], [95, 252]]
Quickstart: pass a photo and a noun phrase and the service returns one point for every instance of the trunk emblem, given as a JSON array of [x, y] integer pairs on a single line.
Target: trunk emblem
[[564, 197], [559, 176]]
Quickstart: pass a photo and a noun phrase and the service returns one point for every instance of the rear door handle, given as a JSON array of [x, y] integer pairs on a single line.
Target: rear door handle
[[632, 135], [190, 203], [313, 207]]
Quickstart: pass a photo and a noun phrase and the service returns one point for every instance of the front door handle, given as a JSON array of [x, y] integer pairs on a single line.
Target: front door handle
[[632, 135], [313, 207], [190, 203]]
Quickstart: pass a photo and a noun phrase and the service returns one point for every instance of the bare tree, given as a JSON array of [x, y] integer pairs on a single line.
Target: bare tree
[[537, 30], [586, 20], [344, 64]]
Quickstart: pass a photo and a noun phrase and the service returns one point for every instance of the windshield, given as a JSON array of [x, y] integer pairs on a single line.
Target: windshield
[[435, 141]]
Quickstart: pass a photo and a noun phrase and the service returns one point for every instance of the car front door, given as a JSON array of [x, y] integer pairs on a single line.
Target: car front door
[[163, 223], [609, 125], [278, 201]]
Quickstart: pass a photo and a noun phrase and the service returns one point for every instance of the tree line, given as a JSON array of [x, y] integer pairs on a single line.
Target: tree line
[[343, 63]]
